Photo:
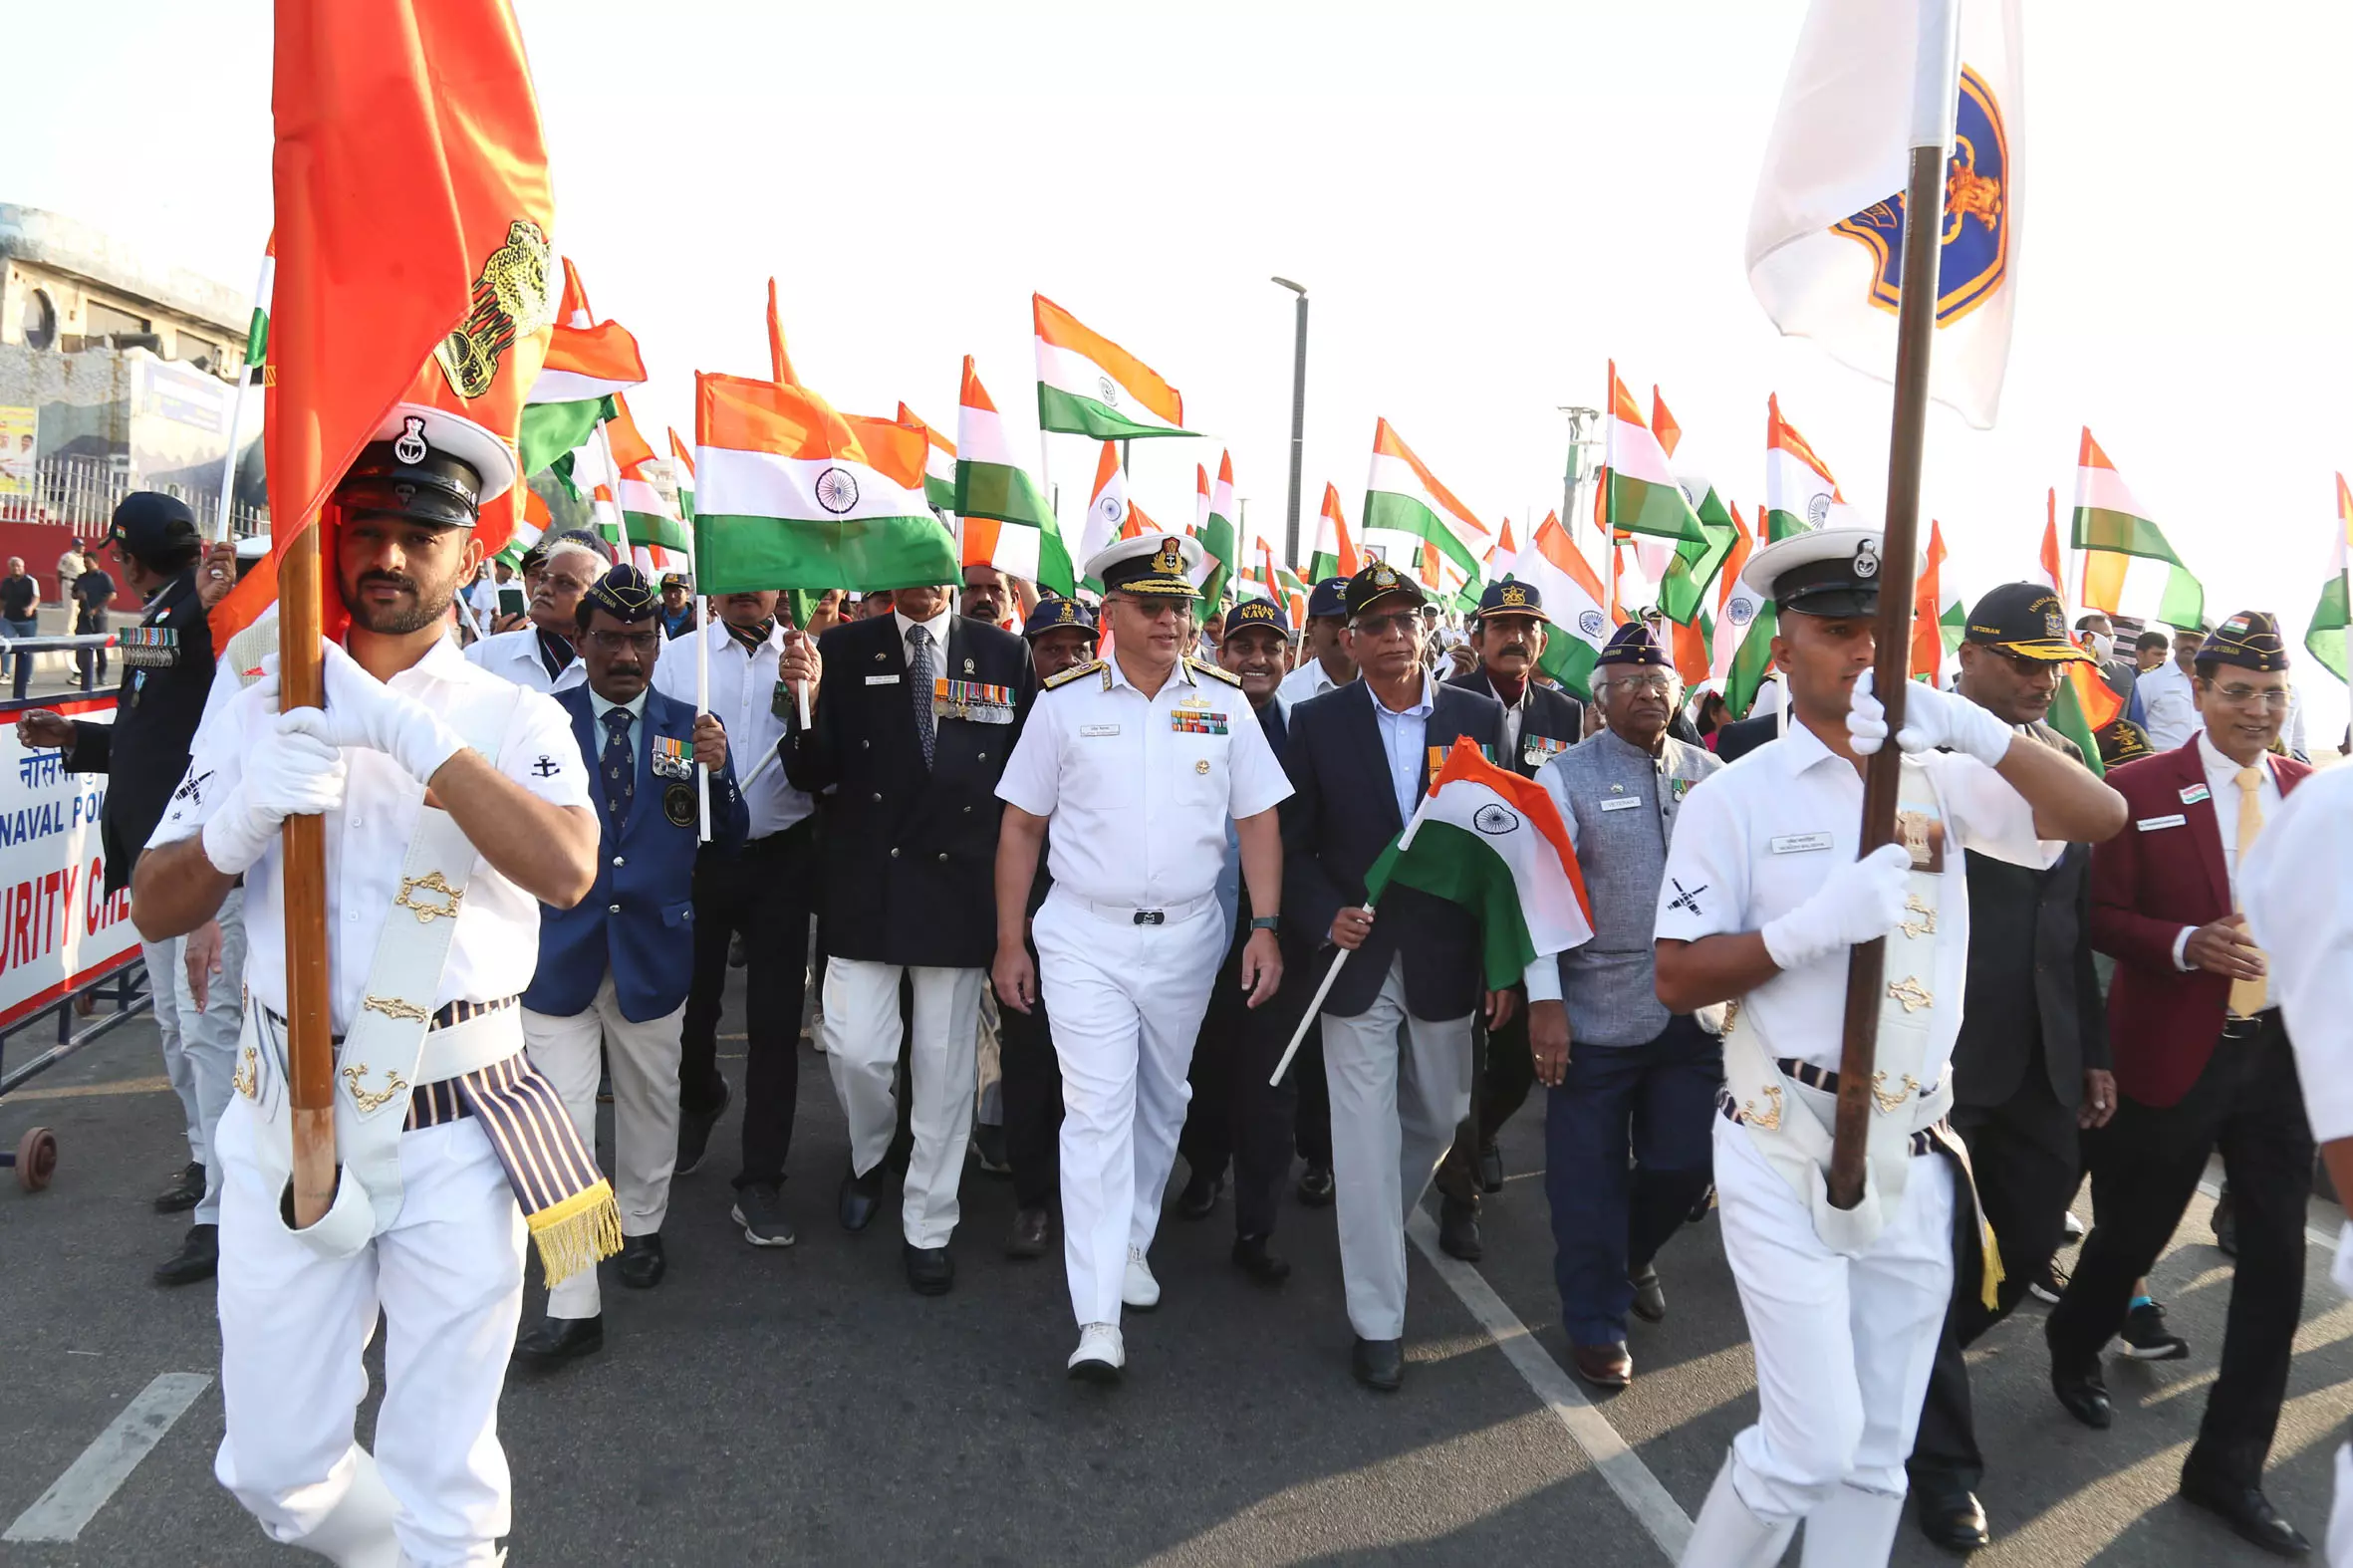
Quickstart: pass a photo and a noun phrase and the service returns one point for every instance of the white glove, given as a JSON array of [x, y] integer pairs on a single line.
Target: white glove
[[362, 711], [1861, 902], [288, 773], [1931, 718]]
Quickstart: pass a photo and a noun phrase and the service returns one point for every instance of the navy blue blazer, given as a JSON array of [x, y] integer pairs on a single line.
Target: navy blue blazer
[[1341, 815], [639, 918]]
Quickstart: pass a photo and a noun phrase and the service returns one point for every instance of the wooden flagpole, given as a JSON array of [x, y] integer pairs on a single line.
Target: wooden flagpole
[[1935, 83], [310, 1042]]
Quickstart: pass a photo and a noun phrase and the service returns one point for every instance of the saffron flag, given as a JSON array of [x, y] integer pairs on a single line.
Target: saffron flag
[[2324, 636], [1090, 385], [412, 215], [1927, 633], [2050, 569], [1008, 524], [1492, 842], [1415, 523], [1825, 242], [589, 364], [1335, 547], [2123, 550], [780, 365]]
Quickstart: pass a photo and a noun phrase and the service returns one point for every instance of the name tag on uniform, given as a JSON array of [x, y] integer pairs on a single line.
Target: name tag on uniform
[[1800, 843], [1097, 731], [1186, 723], [2152, 824], [881, 680], [972, 701], [2196, 793], [669, 758], [1624, 803]]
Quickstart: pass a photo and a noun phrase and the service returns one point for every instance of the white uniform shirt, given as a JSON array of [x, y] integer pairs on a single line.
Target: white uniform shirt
[[514, 655], [2169, 706], [2221, 783], [1308, 680], [1760, 838], [743, 696], [496, 944], [1140, 804]]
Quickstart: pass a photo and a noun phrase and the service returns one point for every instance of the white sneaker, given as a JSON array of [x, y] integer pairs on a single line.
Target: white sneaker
[[1138, 1289], [1100, 1354]]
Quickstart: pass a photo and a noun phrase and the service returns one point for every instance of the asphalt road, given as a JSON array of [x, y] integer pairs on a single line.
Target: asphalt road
[[804, 1405]]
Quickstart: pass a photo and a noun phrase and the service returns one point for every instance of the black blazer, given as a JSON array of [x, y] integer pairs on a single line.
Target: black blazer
[[145, 751], [1738, 738], [2031, 989], [1341, 815], [909, 854], [1551, 714]]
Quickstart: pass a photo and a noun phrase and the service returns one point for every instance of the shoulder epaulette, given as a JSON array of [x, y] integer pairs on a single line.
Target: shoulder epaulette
[[1215, 671], [1092, 667]]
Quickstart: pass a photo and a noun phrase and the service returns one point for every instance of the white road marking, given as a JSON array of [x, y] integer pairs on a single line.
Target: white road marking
[[75, 1498], [1588, 1428]]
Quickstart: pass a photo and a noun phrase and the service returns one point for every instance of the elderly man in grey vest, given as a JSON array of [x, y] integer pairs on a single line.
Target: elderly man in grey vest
[[1638, 1079]]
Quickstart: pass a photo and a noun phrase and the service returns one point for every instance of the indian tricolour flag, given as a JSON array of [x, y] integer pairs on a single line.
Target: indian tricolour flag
[[2325, 636], [682, 470], [1492, 842], [1415, 523], [1090, 385], [1800, 493], [791, 494], [1220, 540], [1107, 507], [1008, 524], [1572, 594], [659, 540], [939, 463], [588, 363], [1335, 547], [2114, 531], [1642, 496]]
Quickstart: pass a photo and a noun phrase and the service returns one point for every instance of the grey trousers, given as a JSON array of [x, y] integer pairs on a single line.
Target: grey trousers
[[200, 1044], [1399, 1086]]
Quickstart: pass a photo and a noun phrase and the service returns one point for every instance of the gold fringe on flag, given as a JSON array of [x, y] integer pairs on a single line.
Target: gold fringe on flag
[[577, 1232]]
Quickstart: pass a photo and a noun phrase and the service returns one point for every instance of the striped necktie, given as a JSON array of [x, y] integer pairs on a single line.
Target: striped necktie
[[919, 682]]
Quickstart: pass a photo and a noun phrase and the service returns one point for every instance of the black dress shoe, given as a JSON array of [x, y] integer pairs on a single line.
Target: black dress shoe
[[1457, 1229], [694, 1132], [1198, 1200], [1952, 1519], [1650, 1297], [1253, 1258], [2225, 1223], [860, 1197], [2084, 1394], [642, 1264], [1032, 1235], [1490, 1168], [198, 1257], [1315, 1185], [2247, 1511], [1379, 1363], [185, 1192], [559, 1340], [929, 1270]]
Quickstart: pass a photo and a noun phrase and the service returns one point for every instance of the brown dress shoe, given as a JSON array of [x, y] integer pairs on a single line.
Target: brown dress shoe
[[1033, 1232], [1602, 1366]]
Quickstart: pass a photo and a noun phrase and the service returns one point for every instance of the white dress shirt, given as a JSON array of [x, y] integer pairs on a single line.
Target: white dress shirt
[[2169, 706], [514, 655], [634, 709], [1310, 679], [743, 697], [1139, 791], [496, 943], [1404, 737], [937, 627], [2221, 783], [1760, 838]]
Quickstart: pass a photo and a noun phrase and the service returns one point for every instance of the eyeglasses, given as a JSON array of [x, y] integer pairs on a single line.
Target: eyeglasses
[[1157, 609], [1385, 626], [2251, 696], [1657, 685], [632, 642]]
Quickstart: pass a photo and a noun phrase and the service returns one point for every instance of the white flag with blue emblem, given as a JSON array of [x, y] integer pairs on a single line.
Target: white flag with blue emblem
[[1826, 234]]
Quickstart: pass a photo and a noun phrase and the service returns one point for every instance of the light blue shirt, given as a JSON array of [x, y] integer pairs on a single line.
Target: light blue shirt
[[635, 712], [1404, 737]]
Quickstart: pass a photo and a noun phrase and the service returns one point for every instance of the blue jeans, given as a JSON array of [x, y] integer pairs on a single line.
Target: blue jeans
[[24, 662], [1656, 1102]]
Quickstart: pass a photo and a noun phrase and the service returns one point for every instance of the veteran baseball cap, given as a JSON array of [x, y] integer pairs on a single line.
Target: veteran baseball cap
[[1380, 581], [623, 593], [1053, 612], [1328, 600], [1258, 614], [2248, 640], [2025, 620], [149, 523]]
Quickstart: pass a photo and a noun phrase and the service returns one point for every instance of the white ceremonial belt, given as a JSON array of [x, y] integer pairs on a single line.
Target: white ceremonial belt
[[470, 1046], [1154, 914]]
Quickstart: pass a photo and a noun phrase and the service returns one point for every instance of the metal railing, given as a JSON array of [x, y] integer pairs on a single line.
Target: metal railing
[[80, 493]]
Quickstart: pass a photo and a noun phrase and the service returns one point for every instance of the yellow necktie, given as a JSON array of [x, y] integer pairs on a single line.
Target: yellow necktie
[[2247, 996]]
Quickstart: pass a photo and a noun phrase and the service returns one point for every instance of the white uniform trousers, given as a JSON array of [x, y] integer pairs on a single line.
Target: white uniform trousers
[[200, 1044], [645, 1063], [1843, 1345], [1396, 1106], [863, 1027], [448, 1276], [1126, 1003]]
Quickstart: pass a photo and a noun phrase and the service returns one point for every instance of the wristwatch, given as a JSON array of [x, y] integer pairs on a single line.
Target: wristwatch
[[1266, 922]]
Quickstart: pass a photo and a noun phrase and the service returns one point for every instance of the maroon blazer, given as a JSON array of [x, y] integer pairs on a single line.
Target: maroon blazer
[[2145, 885]]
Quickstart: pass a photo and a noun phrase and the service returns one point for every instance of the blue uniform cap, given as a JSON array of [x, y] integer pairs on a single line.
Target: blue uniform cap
[[1328, 599], [1511, 597], [1635, 644], [1258, 613], [1054, 613], [2249, 640]]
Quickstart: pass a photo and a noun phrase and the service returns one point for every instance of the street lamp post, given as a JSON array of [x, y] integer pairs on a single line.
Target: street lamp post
[[1298, 420]]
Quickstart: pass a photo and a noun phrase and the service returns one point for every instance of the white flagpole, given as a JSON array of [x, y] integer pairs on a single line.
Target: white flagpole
[[228, 466], [1323, 989], [702, 705]]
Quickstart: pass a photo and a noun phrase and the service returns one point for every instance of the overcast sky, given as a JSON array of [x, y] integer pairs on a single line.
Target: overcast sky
[[1487, 203]]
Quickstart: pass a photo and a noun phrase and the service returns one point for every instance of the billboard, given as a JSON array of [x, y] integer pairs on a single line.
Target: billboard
[[20, 430], [58, 928]]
